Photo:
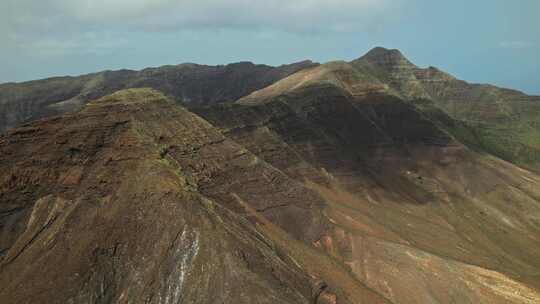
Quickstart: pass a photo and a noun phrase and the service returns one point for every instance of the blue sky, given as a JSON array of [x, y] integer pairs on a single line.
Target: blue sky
[[486, 41]]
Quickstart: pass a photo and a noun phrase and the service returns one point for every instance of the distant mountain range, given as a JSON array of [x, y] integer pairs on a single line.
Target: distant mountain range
[[189, 83], [370, 181]]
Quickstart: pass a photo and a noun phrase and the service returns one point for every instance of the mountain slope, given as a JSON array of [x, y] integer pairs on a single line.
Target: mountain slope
[[318, 196], [190, 83], [503, 122], [499, 121], [135, 199], [408, 200]]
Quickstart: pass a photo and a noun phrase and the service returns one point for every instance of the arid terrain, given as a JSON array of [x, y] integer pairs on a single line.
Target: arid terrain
[[369, 181]]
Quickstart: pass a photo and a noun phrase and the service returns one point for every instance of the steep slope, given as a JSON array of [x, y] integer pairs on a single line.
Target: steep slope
[[418, 216], [502, 121], [190, 83], [499, 121], [135, 199], [334, 74]]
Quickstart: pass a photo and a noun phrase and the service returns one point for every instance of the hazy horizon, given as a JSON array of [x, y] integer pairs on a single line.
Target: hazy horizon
[[495, 42]]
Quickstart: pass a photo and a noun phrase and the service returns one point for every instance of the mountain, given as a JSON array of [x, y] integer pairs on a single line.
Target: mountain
[[189, 83], [407, 198], [346, 182], [153, 210], [500, 121]]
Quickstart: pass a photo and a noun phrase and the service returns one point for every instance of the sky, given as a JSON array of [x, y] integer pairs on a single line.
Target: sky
[[481, 41]]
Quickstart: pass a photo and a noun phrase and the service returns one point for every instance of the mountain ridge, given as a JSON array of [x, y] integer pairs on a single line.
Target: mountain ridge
[[500, 121], [503, 122], [191, 83]]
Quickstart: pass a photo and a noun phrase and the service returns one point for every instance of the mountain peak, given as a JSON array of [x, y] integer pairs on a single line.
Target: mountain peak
[[380, 51], [386, 57]]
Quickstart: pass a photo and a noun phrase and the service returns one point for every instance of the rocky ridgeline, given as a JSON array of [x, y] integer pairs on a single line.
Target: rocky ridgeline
[[189, 83]]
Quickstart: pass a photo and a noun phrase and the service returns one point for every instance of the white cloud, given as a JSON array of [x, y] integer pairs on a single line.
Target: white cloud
[[59, 27], [289, 15]]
